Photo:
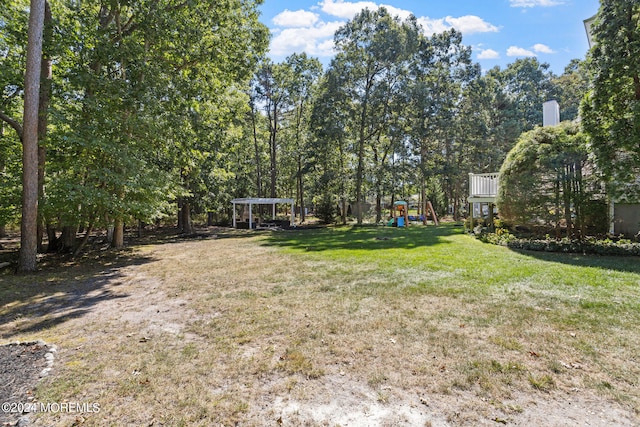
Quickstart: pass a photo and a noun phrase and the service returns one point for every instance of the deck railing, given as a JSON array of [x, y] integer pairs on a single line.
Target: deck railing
[[483, 184]]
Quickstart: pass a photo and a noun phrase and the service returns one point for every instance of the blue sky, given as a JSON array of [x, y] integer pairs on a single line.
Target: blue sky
[[499, 31]]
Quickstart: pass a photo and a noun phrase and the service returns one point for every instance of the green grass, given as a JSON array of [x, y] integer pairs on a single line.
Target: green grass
[[292, 314], [430, 258], [543, 304]]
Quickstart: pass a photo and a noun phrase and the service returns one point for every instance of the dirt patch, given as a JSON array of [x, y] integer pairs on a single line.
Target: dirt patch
[[21, 366]]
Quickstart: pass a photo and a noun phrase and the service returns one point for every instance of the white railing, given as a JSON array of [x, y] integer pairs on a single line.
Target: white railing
[[483, 184]]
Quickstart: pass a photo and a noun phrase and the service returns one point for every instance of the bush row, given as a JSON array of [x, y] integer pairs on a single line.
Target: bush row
[[587, 246]]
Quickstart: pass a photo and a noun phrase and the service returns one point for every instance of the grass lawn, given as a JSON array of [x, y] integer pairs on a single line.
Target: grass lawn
[[336, 326]]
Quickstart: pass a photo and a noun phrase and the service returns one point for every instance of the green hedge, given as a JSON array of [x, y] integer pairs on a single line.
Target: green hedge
[[565, 245]]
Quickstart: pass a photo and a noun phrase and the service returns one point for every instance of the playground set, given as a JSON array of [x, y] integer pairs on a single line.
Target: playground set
[[400, 215]]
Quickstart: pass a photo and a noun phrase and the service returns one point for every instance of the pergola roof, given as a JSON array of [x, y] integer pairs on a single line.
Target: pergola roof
[[260, 201], [273, 201]]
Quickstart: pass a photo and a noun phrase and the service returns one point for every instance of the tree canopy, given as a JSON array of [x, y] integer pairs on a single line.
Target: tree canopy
[[168, 110], [548, 181], [611, 111]]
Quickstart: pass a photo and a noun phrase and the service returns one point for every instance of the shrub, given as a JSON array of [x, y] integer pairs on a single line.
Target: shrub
[[566, 245], [326, 209], [548, 180]]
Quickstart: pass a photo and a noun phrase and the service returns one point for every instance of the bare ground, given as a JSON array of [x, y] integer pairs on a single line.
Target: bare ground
[[239, 340]]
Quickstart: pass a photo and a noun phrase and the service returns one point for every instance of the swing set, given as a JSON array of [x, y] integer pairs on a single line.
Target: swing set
[[400, 214]]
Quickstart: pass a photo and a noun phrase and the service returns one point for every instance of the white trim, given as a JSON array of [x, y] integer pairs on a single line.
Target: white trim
[[261, 201]]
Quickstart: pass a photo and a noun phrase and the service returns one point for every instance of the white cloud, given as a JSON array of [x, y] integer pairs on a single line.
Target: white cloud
[[347, 10], [467, 24], [304, 30], [488, 54], [316, 40], [432, 26], [542, 48], [519, 51], [535, 3], [295, 19], [470, 24]]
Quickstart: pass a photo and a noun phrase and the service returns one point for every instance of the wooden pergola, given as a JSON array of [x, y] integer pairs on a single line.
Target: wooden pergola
[[250, 201]]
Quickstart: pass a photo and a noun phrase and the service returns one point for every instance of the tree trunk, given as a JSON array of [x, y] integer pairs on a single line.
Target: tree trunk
[[566, 195], [360, 176], [185, 213], [257, 153], [343, 199], [53, 242], [579, 200], [118, 234], [84, 241], [273, 152], [179, 226], [43, 114], [68, 238], [301, 190], [3, 231], [423, 205], [557, 205], [29, 224]]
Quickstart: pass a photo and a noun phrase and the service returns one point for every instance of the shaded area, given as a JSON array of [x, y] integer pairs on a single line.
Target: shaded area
[[628, 264], [67, 288], [363, 238], [39, 301]]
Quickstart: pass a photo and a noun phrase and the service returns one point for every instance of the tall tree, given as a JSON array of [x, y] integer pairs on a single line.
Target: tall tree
[[272, 89], [441, 71], [571, 88], [369, 49], [145, 84], [305, 72], [329, 123], [14, 19], [611, 111], [29, 222], [527, 83]]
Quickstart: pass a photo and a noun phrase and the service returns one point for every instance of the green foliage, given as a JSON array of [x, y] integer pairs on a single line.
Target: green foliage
[[147, 106], [547, 180], [10, 172], [527, 84], [621, 247], [372, 53], [571, 87], [611, 111], [13, 36], [326, 208]]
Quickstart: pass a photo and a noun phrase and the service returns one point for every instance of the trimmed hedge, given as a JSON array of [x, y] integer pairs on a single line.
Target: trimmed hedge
[[588, 246]]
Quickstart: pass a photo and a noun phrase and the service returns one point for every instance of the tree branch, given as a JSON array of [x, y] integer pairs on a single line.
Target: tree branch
[[13, 123]]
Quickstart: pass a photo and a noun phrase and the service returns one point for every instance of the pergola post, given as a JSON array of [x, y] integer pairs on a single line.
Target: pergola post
[[234, 214], [293, 217], [261, 201]]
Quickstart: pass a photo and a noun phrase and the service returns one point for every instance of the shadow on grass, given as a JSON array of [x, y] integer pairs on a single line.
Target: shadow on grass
[[54, 295], [363, 238], [628, 264]]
